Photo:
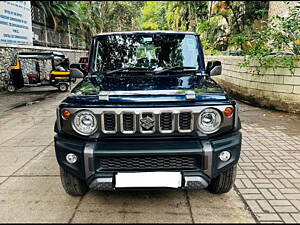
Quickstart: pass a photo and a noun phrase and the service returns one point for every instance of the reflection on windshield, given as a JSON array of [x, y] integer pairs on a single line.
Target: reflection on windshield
[[85, 87], [151, 51], [146, 83]]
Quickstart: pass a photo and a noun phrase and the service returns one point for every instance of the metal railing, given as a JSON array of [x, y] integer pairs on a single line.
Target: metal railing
[[45, 36], [55, 39]]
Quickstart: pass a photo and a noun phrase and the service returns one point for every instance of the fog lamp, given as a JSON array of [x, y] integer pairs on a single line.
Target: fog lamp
[[225, 156], [71, 158]]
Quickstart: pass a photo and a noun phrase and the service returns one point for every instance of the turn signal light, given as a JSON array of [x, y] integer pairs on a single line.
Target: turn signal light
[[228, 112], [66, 114]]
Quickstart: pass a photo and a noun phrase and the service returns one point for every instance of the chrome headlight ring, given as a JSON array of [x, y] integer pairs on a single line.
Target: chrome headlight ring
[[84, 122], [209, 120]]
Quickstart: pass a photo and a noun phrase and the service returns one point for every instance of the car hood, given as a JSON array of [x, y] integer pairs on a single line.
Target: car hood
[[159, 95], [166, 90]]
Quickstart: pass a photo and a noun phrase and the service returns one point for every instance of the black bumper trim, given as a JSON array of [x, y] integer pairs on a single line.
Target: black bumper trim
[[85, 168]]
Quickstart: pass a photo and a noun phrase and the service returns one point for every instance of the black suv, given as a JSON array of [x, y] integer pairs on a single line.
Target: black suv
[[147, 115]]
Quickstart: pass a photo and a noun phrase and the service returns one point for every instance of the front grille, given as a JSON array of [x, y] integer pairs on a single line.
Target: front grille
[[128, 122], [147, 122], [148, 163]]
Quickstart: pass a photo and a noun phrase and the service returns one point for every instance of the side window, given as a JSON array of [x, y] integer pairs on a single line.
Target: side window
[[189, 51], [83, 60], [98, 58]]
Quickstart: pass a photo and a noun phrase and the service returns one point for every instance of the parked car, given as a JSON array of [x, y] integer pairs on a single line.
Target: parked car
[[148, 115], [84, 61]]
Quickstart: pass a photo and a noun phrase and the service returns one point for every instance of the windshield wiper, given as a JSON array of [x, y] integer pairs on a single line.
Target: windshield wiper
[[176, 68], [127, 68]]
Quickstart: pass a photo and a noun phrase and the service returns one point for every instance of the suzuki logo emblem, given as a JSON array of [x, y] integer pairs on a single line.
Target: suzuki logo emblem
[[147, 122]]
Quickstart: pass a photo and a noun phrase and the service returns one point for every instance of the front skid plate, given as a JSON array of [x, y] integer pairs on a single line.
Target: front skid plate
[[189, 182]]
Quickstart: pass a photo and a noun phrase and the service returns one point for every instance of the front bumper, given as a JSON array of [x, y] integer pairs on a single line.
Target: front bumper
[[197, 160]]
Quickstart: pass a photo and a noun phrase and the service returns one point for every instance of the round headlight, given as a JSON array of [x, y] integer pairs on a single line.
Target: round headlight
[[85, 122], [209, 121]]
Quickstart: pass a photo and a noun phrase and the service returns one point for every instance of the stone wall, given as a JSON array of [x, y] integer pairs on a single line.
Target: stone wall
[[7, 53], [280, 8], [277, 89]]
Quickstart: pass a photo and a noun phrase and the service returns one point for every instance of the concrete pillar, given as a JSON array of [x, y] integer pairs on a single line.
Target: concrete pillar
[[45, 23], [70, 43]]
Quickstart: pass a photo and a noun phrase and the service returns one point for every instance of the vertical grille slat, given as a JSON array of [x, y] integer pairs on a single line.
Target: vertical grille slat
[[166, 122], [185, 121], [128, 123], [109, 122]]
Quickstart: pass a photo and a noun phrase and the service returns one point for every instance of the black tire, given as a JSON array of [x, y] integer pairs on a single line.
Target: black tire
[[224, 182], [11, 88], [72, 185], [63, 87]]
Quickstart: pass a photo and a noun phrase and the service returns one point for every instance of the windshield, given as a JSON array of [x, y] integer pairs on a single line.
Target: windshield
[[83, 60], [146, 52]]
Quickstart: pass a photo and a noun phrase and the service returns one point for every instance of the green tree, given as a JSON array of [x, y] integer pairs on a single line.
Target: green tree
[[281, 36], [229, 21], [153, 16], [186, 15], [59, 11], [173, 15]]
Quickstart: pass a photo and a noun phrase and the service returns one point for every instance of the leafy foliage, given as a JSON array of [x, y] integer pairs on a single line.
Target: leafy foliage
[[152, 14], [228, 19], [173, 15], [59, 11], [91, 17], [223, 25], [280, 37]]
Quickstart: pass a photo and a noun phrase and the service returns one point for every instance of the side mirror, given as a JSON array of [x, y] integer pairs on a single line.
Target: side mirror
[[214, 68], [76, 71]]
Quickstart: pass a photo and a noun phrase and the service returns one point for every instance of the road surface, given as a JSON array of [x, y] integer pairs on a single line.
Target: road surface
[[30, 188]]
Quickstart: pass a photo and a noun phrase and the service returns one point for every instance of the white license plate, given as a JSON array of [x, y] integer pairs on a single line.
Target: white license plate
[[149, 179]]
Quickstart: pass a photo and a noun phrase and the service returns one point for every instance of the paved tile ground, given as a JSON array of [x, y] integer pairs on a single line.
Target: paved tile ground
[[31, 191], [269, 169], [268, 180]]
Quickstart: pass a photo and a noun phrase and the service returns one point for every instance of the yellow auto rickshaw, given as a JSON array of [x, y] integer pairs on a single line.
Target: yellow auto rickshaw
[[39, 69]]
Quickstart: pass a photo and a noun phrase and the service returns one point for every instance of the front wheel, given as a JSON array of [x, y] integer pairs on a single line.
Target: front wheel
[[224, 182], [11, 88], [63, 87], [72, 185]]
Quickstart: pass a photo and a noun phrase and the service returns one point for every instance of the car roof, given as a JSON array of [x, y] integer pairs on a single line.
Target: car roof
[[146, 32]]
